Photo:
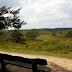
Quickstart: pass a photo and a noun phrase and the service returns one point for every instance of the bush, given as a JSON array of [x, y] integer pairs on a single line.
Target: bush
[[53, 33], [2, 32], [64, 45], [17, 37], [69, 34], [3, 35], [32, 34]]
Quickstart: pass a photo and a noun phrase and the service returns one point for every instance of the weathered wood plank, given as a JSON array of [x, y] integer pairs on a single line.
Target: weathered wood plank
[[24, 60], [29, 66]]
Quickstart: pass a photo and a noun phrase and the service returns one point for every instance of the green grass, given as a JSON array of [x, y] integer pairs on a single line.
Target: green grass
[[53, 46], [49, 36], [36, 47], [51, 53], [44, 37]]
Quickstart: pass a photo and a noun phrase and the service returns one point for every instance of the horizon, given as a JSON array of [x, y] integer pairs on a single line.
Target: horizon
[[42, 28]]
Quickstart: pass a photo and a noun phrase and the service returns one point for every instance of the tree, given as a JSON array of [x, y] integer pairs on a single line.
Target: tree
[[17, 37], [33, 33], [69, 34], [9, 18], [3, 35], [53, 33]]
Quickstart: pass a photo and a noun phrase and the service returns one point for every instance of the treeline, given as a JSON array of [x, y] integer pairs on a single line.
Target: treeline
[[56, 29], [47, 29]]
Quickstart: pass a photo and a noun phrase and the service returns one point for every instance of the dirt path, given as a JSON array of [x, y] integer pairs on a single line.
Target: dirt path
[[65, 64]]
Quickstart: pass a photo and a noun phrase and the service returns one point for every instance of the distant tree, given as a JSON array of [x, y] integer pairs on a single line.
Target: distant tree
[[9, 18], [32, 34], [69, 34], [17, 36], [53, 33]]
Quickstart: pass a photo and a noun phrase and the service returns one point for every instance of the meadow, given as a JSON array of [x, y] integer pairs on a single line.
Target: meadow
[[44, 45]]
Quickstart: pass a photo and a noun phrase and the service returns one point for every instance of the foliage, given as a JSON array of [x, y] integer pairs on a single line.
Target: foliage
[[69, 34], [17, 37], [1, 32], [32, 34], [3, 35], [6, 22], [53, 33]]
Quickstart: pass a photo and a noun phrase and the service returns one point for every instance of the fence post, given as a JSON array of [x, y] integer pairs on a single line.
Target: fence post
[[3, 65], [34, 67]]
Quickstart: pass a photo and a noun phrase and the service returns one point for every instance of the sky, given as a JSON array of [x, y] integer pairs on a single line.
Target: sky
[[42, 13]]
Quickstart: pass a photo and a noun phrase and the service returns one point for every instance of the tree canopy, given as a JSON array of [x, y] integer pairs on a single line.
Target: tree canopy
[[17, 36], [33, 33], [6, 22]]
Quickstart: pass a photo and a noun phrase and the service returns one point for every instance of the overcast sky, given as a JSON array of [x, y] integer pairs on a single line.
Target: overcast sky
[[43, 13]]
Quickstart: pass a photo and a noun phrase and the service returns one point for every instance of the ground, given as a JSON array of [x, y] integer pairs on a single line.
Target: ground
[[55, 63]]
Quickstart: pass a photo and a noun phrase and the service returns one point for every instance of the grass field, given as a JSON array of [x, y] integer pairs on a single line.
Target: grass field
[[44, 45], [49, 36]]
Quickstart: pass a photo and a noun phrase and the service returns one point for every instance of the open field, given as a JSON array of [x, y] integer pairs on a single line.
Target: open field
[[44, 44]]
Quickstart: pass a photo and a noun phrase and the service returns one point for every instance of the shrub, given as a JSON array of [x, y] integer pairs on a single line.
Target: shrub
[[64, 45], [3, 35], [3, 32], [17, 37], [32, 34], [53, 33], [69, 34]]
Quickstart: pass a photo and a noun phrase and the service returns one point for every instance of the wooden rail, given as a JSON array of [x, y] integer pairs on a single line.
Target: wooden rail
[[37, 65]]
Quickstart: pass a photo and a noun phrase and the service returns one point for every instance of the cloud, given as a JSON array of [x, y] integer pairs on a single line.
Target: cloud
[[43, 13]]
